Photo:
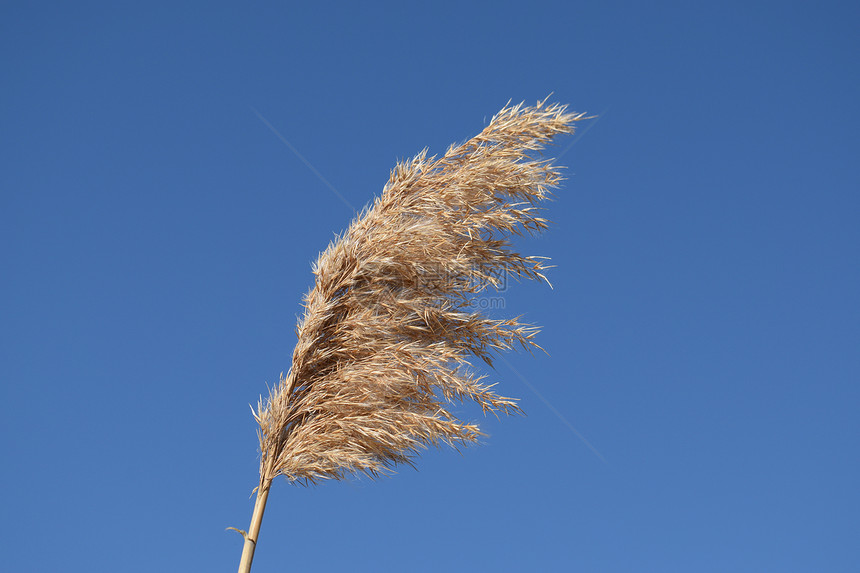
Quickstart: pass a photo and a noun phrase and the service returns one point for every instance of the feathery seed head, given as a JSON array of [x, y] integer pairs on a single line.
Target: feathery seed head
[[388, 333]]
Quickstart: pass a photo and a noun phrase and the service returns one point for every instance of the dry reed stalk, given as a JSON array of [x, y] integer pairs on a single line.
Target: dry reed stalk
[[385, 343]]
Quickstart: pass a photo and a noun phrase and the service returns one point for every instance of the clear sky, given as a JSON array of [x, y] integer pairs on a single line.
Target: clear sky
[[156, 236]]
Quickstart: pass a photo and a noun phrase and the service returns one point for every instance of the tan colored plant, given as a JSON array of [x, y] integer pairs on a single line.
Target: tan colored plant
[[390, 327]]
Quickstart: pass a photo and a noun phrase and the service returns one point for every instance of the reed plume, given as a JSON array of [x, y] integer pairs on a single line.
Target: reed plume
[[390, 327]]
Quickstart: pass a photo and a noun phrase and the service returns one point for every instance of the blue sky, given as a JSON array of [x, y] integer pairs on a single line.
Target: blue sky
[[156, 237]]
